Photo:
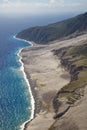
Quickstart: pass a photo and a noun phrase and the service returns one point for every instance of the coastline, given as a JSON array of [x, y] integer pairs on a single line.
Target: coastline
[[33, 67], [42, 66], [23, 40], [22, 127]]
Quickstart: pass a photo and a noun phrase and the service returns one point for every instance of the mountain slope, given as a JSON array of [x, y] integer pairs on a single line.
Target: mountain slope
[[44, 34], [74, 58]]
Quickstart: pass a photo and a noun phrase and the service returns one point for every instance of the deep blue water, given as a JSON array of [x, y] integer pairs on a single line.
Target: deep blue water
[[14, 96]]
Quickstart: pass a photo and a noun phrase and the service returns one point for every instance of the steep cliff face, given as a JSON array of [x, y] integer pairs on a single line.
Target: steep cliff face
[[74, 59], [44, 34]]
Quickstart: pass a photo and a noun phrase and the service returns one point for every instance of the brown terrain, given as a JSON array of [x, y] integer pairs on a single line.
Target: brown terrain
[[48, 74]]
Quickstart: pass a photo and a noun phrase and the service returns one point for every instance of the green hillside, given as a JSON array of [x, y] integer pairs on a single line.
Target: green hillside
[[44, 34]]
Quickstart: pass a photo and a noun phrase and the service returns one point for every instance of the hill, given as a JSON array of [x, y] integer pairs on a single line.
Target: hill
[[74, 94], [43, 34]]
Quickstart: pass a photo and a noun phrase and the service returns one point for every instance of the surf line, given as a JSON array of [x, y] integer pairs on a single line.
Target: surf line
[[22, 127]]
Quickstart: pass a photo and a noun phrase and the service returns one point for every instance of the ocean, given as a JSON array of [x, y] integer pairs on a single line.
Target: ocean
[[15, 101], [15, 98]]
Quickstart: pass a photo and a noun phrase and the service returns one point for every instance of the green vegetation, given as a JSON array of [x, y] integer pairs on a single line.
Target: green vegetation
[[77, 57], [52, 128], [51, 32]]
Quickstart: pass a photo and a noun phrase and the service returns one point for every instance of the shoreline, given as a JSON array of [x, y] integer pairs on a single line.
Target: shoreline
[[23, 40], [52, 70], [35, 61], [23, 126]]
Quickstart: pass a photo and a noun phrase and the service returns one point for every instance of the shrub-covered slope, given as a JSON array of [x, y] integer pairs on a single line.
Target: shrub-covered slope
[[44, 34]]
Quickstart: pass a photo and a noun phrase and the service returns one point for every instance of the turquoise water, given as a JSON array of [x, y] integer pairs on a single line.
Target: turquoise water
[[14, 96]]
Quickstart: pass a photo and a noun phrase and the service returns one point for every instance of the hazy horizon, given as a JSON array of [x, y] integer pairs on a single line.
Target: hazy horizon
[[15, 96], [41, 7], [21, 14], [14, 25]]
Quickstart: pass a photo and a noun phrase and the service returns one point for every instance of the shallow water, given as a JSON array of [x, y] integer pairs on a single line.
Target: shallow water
[[14, 96]]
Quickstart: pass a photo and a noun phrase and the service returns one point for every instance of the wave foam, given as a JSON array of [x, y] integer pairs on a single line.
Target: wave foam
[[26, 79]]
